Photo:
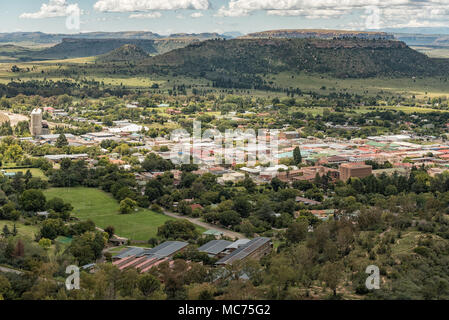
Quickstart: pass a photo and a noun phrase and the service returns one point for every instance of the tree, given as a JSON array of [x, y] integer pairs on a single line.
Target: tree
[[242, 206], [5, 287], [331, 274], [14, 153], [33, 200], [277, 184], [19, 250], [297, 157], [229, 218], [127, 206], [61, 141], [110, 230], [58, 205], [87, 247], [297, 231], [6, 233], [52, 228], [178, 229], [45, 243], [148, 284]]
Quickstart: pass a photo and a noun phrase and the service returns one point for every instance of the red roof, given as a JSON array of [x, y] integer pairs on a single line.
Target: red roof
[[196, 206]]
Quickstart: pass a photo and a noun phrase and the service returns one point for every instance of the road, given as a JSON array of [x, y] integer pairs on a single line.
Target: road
[[8, 270], [198, 222]]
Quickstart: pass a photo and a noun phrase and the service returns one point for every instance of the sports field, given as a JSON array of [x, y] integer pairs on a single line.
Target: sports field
[[102, 209]]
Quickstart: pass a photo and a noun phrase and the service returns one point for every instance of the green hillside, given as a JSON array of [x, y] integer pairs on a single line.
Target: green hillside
[[76, 48], [128, 52], [10, 52], [240, 62]]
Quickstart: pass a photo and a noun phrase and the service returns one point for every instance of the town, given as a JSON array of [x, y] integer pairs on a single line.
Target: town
[[288, 164]]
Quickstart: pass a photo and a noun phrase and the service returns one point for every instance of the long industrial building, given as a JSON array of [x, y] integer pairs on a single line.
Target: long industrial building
[[254, 249], [144, 259]]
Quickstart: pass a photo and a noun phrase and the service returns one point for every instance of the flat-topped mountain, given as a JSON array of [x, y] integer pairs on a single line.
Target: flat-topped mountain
[[320, 34], [75, 48], [128, 52], [340, 57]]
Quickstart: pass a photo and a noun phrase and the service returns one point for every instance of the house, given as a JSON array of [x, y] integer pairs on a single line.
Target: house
[[231, 177], [215, 233], [196, 206], [44, 214], [333, 160], [9, 174], [307, 201], [323, 214], [118, 241]]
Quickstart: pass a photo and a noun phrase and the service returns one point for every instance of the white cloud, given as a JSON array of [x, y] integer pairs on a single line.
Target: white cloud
[[54, 8], [197, 15], [389, 12], [309, 14], [148, 5], [150, 15]]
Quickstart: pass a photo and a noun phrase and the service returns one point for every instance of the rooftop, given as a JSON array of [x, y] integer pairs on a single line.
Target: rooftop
[[244, 251], [215, 246]]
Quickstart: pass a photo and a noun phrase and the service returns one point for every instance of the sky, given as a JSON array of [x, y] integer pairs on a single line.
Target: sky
[[195, 16]]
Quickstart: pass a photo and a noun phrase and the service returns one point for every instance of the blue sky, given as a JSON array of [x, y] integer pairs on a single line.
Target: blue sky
[[172, 16]]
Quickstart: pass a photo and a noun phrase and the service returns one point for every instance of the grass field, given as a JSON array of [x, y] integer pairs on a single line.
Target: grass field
[[23, 230], [420, 87], [433, 52], [37, 173], [101, 208]]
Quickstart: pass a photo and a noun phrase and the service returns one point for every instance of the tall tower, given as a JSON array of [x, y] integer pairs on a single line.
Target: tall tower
[[36, 122]]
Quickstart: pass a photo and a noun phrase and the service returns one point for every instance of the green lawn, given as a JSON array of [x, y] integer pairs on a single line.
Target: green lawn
[[37, 173], [23, 230], [101, 208]]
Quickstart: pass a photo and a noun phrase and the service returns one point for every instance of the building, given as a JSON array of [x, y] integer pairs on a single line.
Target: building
[[118, 241], [308, 202], [144, 259], [60, 157], [255, 249], [310, 173], [355, 170], [217, 234], [36, 122], [215, 248]]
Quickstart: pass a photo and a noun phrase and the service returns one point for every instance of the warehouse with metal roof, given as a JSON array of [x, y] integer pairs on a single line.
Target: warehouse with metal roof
[[215, 247], [255, 249], [143, 259]]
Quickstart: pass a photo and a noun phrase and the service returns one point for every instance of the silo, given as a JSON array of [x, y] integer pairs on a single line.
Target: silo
[[36, 122]]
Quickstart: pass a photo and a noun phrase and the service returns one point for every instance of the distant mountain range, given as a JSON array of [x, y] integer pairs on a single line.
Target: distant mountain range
[[424, 40], [78, 47], [411, 36], [44, 38], [101, 43], [319, 34]]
